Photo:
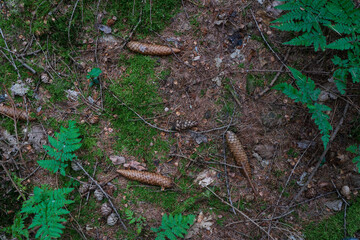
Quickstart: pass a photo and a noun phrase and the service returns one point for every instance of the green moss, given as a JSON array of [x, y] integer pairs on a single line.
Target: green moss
[[332, 228], [138, 89], [153, 17]]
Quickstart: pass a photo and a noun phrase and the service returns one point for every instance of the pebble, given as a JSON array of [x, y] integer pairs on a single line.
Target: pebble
[[345, 190]]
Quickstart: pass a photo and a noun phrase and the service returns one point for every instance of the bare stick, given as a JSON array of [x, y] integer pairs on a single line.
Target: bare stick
[[333, 135], [88, 194], [12, 181], [276, 71], [72, 15], [139, 116], [274, 79], [12, 59], [263, 37], [225, 168], [241, 213], [105, 194]]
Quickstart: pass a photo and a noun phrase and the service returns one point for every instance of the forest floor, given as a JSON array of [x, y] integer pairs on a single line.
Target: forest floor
[[229, 58]]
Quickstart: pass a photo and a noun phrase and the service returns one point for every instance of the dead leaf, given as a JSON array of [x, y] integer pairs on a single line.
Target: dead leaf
[[135, 165]]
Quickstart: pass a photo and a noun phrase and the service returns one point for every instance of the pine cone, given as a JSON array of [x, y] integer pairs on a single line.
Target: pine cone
[[147, 177], [83, 188], [151, 49], [238, 152], [98, 195], [184, 124], [18, 113], [105, 210], [112, 219]]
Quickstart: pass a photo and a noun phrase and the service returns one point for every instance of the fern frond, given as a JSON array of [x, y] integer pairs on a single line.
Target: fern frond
[[344, 43], [61, 148], [321, 119], [307, 39], [47, 205], [51, 165], [173, 226]]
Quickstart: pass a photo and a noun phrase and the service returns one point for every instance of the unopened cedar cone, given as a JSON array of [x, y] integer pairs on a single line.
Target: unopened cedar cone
[[15, 113], [147, 177], [238, 152], [151, 49]]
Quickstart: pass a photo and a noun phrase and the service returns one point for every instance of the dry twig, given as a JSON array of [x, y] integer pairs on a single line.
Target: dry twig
[[103, 192], [333, 135]]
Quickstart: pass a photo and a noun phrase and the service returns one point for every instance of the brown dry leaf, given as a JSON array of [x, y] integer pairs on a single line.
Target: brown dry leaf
[[135, 165], [151, 49], [147, 177]]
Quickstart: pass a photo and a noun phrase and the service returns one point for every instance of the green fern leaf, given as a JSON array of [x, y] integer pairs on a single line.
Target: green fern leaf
[[307, 39], [61, 148], [344, 43], [47, 205]]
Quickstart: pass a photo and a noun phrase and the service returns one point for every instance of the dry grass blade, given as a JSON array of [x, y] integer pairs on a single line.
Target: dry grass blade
[[147, 177], [15, 113], [240, 156], [151, 49]]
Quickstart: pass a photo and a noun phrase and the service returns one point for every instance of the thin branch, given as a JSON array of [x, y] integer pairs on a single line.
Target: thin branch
[[105, 194], [333, 135], [12, 181], [274, 79], [72, 15], [241, 213]]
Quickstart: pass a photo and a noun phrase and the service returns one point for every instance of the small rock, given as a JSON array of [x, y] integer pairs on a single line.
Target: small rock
[[199, 138], [237, 55], [197, 58], [104, 29], [265, 151], [166, 109], [345, 190], [271, 8], [19, 89], [117, 160], [334, 205], [249, 197], [72, 95], [302, 179], [324, 96], [305, 144], [218, 62]]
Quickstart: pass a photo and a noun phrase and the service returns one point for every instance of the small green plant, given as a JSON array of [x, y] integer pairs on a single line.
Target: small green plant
[[173, 226], [93, 76], [139, 222], [313, 18], [62, 148], [356, 150], [47, 206], [308, 95]]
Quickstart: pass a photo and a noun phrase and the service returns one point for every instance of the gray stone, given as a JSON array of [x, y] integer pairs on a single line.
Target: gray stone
[[334, 205]]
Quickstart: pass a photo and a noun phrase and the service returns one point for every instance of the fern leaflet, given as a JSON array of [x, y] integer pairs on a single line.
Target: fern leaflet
[[173, 226], [308, 94], [61, 148]]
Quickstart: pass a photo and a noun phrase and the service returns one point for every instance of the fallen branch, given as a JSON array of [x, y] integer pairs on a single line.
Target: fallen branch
[[241, 213], [274, 79], [103, 192], [333, 135], [12, 181]]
